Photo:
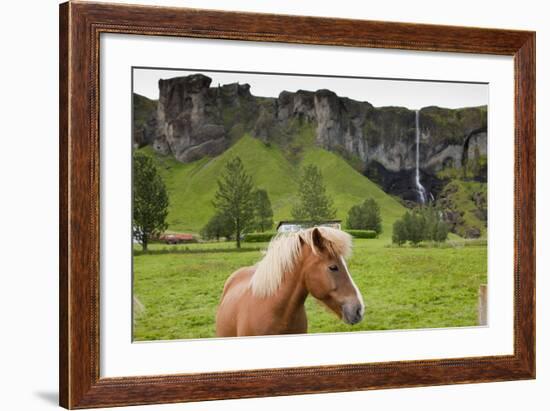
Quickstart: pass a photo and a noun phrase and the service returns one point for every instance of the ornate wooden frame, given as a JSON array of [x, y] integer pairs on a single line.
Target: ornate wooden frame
[[80, 27]]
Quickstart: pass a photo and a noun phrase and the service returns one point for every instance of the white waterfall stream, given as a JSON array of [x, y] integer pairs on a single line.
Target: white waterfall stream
[[419, 187]]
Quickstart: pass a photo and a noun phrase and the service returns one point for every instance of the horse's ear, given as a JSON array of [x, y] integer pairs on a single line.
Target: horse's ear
[[318, 240]]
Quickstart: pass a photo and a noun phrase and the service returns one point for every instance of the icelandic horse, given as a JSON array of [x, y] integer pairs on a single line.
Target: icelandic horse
[[268, 298]]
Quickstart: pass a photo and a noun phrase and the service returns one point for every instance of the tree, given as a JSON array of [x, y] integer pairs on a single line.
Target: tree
[[399, 235], [373, 220], [356, 218], [431, 221], [424, 223], [314, 204], [410, 228], [263, 212], [441, 231], [435, 228], [415, 225], [235, 197], [365, 216], [150, 200], [218, 226]]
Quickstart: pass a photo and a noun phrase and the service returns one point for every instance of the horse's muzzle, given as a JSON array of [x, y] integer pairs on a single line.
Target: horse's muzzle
[[353, 313]]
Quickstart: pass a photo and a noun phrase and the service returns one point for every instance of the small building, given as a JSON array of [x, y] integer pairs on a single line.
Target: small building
[[292, 226]]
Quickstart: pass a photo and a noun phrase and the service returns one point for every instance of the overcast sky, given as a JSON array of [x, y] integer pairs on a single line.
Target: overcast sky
[[378, 92]]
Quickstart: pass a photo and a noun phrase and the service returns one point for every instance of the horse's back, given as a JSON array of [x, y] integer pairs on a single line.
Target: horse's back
[[236, 286], [236, 279]]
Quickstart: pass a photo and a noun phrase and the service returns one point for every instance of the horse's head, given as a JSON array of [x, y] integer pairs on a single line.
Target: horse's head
[[326, 274]]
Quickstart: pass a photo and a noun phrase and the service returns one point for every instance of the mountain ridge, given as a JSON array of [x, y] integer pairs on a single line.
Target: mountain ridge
[[193, 120]]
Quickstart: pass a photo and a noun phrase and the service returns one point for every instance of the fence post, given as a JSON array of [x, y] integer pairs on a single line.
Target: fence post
[[482, 305]]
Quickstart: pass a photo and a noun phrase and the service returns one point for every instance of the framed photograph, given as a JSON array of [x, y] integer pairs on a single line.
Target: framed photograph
[[259, 205]]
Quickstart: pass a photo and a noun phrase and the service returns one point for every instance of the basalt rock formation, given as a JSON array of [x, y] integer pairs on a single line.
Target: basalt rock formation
[[192, 119]]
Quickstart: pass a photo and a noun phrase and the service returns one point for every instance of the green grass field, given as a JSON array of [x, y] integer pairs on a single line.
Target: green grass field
[[403, 287]]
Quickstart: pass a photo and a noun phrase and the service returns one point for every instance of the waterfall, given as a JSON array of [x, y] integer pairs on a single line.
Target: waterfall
[[419, 187]]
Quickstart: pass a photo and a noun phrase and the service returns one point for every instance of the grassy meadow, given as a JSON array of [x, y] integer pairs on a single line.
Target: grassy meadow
[[179, 287], [403, 287]]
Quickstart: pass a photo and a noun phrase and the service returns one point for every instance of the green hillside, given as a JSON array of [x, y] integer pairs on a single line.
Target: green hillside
[[192, 186], [143, 109], [466, 205]]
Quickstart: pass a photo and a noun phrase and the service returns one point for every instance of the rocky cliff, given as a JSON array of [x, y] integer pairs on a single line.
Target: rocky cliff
[[193, 120]]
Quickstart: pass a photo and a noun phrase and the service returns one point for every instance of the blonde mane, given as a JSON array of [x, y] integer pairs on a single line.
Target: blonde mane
[[284, 250]]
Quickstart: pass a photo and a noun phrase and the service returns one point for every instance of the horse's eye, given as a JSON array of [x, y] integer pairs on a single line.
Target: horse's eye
[[333, 268]]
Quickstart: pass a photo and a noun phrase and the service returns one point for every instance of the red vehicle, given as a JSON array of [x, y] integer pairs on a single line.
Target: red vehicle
[[178, 238]]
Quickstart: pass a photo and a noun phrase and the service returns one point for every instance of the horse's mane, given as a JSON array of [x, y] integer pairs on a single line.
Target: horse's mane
[[284, 250]]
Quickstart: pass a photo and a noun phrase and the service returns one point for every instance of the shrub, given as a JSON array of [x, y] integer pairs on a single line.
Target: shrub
[[365, 216], [220, 225], [422, 224], [362, 233], [259, 237]]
